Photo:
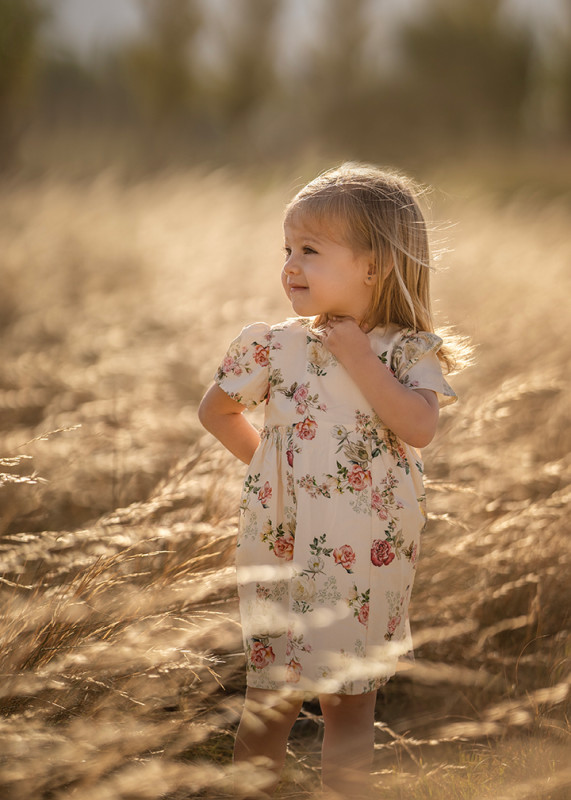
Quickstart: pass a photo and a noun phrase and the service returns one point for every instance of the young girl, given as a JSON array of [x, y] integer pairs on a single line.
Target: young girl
[[333, 503]]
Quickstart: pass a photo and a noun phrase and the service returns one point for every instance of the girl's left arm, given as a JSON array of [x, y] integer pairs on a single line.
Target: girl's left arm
[[412, 414]]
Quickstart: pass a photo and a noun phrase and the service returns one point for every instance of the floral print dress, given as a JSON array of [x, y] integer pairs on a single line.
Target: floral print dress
[[331, 511]]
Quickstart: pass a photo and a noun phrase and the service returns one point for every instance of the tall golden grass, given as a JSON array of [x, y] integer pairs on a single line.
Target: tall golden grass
[[121, 664]]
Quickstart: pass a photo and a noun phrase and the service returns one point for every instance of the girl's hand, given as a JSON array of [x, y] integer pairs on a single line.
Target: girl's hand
[[411, 414], [345, 339]]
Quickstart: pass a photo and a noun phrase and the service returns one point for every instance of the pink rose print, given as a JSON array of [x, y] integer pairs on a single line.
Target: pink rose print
[[261, 656], [261, 355], [262, 591], [283, 547], [229, 365], [358, 478], [378, 505], [306, 429], [293, 671], [363, 615], [301, 394], [264, 494], [300, 397], [394, 622], [381, 553], [345, 556], [289, 456]]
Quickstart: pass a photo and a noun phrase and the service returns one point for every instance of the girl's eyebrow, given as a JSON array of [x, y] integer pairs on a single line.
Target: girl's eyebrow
[[308, 237]]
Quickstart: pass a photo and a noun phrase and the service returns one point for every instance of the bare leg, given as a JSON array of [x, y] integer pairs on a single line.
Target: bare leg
[[348, 744], [267, 720]]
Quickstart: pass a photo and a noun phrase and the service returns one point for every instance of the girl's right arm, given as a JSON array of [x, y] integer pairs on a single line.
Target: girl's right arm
[[223, 418]]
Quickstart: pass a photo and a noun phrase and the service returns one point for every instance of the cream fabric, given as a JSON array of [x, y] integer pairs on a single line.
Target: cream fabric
[[331, 513]]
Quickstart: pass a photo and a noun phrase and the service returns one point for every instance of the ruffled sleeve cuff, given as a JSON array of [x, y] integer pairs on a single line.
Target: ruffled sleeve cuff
[[415, 363], [244, 371]]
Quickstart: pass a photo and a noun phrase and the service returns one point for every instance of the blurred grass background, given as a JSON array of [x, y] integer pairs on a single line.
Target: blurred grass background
[[141, 196]]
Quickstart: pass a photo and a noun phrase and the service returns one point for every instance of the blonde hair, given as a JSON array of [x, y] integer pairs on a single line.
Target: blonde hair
[[376, 211]]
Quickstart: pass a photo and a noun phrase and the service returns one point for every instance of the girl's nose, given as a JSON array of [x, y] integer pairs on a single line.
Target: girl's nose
[[290, 265]]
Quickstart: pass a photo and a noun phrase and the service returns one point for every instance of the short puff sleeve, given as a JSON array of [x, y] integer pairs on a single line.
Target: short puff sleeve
[[244, 371], [416, 365]]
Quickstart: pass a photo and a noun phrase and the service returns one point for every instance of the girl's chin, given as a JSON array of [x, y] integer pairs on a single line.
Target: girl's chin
[[303, 309]]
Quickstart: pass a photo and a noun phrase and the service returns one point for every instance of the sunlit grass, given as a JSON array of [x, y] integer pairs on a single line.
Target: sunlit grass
[[121, 654]]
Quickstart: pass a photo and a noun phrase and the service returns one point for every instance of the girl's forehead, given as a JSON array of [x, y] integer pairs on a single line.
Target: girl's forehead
[[306, 222]]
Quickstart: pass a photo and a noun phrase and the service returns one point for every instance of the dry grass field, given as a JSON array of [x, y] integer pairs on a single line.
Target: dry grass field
[[121, 666]]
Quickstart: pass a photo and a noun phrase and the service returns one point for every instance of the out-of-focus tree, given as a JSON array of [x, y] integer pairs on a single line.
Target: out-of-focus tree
[[20, 22], [465, 72], [563, 71], [244, 86], [337, 93], [158, 66], [68, 91]]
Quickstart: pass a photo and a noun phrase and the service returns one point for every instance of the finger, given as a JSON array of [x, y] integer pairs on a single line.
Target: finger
[[341, 320]]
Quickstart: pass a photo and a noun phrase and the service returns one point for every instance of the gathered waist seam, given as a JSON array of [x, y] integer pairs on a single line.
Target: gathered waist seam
[[376, 433]]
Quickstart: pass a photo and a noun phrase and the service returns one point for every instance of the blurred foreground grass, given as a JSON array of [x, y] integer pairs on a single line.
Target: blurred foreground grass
[[121, 655]]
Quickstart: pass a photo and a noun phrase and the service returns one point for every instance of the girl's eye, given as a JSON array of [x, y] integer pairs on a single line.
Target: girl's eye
[[306, 249]]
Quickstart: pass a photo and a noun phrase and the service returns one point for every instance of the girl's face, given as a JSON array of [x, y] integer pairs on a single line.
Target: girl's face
[[324, 276]]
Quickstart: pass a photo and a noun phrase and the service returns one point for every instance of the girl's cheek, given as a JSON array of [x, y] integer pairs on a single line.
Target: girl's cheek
[[284, 282]]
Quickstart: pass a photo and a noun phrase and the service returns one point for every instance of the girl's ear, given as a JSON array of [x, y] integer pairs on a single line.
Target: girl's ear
[[387, 269], [371, 274]]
